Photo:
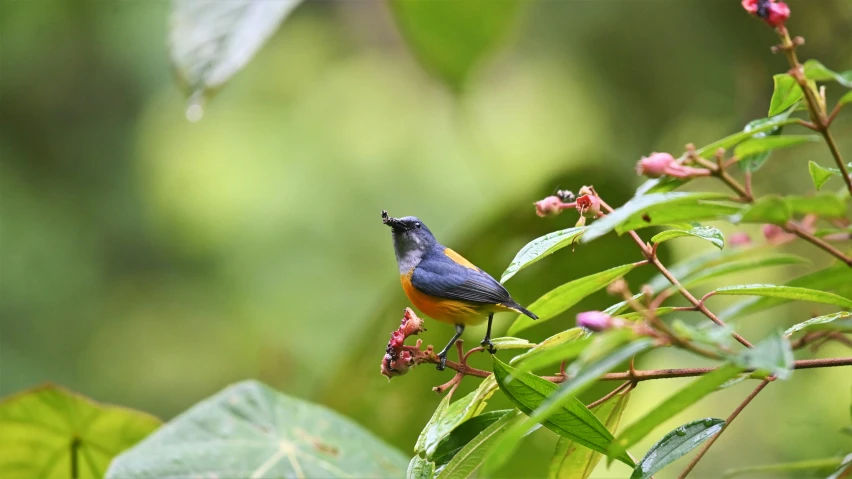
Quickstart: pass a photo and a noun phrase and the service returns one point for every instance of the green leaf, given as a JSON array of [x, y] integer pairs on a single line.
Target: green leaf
[[251, 430], [455, 414], [571, 420], [675, 444], [560, 299], [675, 404], [731, 141], [817, 466], [707, 333], [210, 41], [738, 266], [502, 344], [786, 292], [787, 92], [560, 347], [570, 461], [622, 306], [814, 70], [635, 316], [474, 453], [540, 248], [451, 38], [707, 233], [826, 206], [844, 470], [845, 99], [464, 433], [662, 184], [659, 208], [420, 468], [756, 146], [828, 318], [691, 266], [771, 356], [43, 431], [754, 162], [769, 209], [821, 174], [437, 416]]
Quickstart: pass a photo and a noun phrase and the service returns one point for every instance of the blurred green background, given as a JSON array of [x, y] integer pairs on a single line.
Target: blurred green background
[[149, 262]]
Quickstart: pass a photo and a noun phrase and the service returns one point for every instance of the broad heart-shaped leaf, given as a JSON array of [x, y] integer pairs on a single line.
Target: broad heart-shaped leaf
[[707, 233], [251, 430], [821, 174], [464, 433], [756, 146], [560, 299], [541, 247], [772, 356], [675, 404], [786, 292], [580, 380], [571, 420], [211, 40], [833, 278], [451, 38], [475, 452], [571, 461], [787, 92], [814, 70], [809, 468], [740, 265], [819, 320], [659, 208], [455, 414], [769, 209], [675, 444], [559, 347], [420, 468], [825, 206], [48, 431]]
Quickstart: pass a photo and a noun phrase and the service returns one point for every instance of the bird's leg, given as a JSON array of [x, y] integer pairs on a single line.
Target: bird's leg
[[486, 341], [443, 354]]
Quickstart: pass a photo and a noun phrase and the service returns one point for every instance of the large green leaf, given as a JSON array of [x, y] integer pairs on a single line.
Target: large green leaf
[[559, 347], [475, 452], [814, 70], [508, 342], [786, 94], [659, 208], [251, 430], [570, 461], [541, 247], [786, 292], [775, 121], [662, 184], [819, 320], [560, 299], [572, 420], [707, 233], [464, 433], [455, 414], [420, 468], [769, 209], [211, 40], [675, 444], [756, 146], [813, 467], [675, 404], [755, 161], [825, 206], [451, 38], [432, 424], [48, 432], [771, 356], [737, 266]]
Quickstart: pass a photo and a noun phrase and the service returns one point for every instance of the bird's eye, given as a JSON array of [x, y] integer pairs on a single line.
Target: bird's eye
[[417, 224]]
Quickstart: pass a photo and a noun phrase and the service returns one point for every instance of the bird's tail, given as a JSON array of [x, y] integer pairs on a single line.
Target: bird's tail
[[517, 307]]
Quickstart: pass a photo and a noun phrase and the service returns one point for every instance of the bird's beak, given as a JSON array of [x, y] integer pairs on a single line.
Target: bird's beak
[[392, 222]]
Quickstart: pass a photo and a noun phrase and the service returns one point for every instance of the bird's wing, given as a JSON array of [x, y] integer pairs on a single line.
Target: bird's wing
[[438, 275]]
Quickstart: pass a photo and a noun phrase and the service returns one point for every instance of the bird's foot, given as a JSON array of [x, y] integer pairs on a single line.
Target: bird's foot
[[488, 345], [443, 363]]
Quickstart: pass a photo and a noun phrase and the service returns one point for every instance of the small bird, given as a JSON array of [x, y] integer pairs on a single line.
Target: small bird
[[443, 285]]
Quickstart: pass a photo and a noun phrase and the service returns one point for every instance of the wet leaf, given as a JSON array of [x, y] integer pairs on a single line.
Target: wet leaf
[[755, 161], [707, 233], [775, 121], [786, 292], [540, 248], [464, 433], [39, 426], [420, 468], [251, 430], [475, 452], [814, 70], [676, 444], [787, 92], [560, 299], [819, 320]]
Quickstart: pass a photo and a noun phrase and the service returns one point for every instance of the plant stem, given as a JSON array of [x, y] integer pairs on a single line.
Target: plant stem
[[75, 446], [819, 243], [612, 393], [728, 422]]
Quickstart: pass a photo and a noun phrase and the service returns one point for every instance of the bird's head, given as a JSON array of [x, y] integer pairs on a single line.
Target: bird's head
[[409, 234]]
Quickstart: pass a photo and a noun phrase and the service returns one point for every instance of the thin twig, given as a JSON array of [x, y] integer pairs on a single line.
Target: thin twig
[[819, 243], [609, 395], [728, 421]]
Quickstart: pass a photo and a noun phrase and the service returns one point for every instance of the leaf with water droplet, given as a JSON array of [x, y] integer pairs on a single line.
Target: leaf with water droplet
[[675, 444]]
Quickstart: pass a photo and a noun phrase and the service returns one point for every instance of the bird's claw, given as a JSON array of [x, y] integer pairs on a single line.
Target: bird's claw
[[489, 346], [443, 363]]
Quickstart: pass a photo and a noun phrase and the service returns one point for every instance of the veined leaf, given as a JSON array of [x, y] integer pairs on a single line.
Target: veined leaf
[[475, 452], [457, 413], [828, 318], [571, 419], [772, 356], [817, 466], [43, 431], [707, 233], [757, 146], [675, 444], [465, 433], [769, 209], [570, 461], [559, 347], [826, 206], [502, 344], [674, 404], [814, 70], [787, 92], [738, 266], [251, 430], [541, 247], [786, 292], [420, 468], [560, 299], [657, 208], [210, 40]]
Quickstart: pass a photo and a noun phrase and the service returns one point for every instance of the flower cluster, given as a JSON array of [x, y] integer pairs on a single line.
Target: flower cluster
[[398, 360], [587, 204], [774, 13]]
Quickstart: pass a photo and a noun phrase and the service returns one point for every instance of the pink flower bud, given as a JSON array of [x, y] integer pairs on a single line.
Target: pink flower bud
[[411, 324], [589, 206], [778, 14], [750, 6], [594, 320], [654, 166], [739, 239], [550, 206], [776, 235]]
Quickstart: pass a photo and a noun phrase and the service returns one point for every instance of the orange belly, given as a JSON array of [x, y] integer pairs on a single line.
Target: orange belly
[[446, 310]]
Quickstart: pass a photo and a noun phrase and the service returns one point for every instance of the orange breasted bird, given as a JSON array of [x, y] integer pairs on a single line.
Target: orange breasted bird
[[443, 285]]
